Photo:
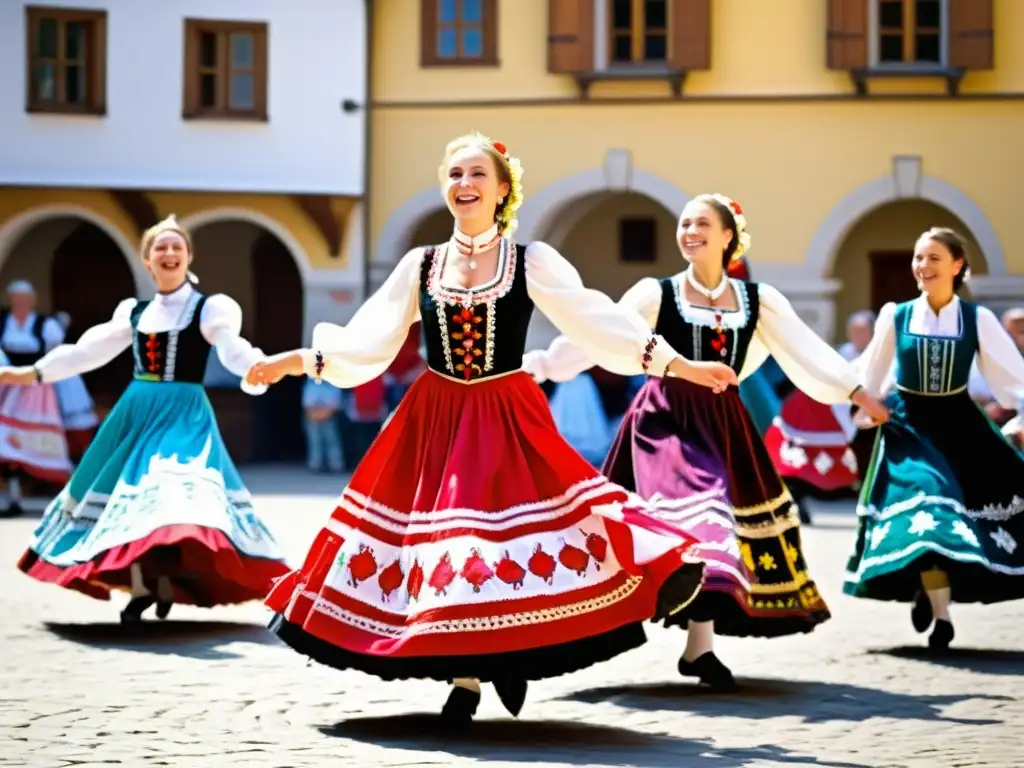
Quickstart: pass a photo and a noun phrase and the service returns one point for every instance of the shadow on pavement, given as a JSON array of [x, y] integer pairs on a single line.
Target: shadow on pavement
[[552, 741], [814, 702], [985, 661], [194, 639]]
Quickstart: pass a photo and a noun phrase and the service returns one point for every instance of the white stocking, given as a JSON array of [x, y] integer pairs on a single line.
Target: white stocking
[[700, 639], [138, 587]]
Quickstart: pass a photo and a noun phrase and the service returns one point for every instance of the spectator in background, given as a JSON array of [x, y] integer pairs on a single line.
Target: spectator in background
[[1013, 322], [366, 408], [321, 404], [76, 407], [860, 327]]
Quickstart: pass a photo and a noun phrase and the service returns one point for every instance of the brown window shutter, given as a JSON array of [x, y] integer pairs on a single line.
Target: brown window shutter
[[570, 36], [690, 34], [428, 32], [971, 42], [847, 34]]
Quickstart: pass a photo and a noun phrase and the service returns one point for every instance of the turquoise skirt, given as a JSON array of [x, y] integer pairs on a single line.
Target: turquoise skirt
[[157, 486], [944, 489]]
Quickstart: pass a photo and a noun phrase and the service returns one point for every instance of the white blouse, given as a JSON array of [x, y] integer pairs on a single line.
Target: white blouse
[[220, 323], [809, 362], [362, 350], [19, 338], [998, 359]]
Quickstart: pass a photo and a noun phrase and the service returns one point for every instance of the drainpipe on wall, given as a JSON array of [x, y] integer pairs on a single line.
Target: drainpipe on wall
[[367, 150]]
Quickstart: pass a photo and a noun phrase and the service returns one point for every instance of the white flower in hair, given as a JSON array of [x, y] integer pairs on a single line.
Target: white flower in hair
[[742, 235]]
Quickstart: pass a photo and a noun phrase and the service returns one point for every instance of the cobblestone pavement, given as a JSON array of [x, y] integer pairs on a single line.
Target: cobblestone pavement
[[213, 688]]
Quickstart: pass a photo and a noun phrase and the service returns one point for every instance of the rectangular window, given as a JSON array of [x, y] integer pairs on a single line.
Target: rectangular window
[[910, 32], [66, 69], [225, 69], [459, 33], [638, 240], [638, 31]]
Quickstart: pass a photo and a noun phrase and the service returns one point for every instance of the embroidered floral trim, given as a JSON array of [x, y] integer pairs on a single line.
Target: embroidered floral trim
[[465, 322], [649, 353], [994, 512], [492, 311], [490, 291]]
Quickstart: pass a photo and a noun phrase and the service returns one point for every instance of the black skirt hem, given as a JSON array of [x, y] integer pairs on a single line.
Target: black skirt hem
[[969, 582], [531, 664], [732, 621]]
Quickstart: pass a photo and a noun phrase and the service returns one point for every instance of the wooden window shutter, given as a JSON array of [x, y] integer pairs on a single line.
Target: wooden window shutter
[[690, 40], [428, 32], [570, 36], [971, 42], [847, 34]]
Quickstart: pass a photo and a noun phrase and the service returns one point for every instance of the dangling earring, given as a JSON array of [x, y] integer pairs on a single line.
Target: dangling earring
[[191, 277], [501, 200]]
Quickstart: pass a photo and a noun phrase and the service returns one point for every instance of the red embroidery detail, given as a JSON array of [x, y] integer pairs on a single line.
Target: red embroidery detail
[[574, 558], [442, 575], [510, 572], [415, 580], [476, 571], [390, 579], [649, 354], [153, 353], [721, 340], [597, 546], [466, 334], [542, 565], [362, 566]]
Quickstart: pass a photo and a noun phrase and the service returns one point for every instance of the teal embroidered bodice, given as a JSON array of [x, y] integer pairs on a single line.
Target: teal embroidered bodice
[[935, 365]]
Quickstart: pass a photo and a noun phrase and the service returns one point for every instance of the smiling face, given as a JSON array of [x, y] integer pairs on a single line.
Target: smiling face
[[168, 259], [934, 266], [702, 236], [472, 187]]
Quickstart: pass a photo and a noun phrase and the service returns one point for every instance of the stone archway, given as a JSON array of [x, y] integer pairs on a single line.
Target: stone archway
[[76, 267], [906, 182]]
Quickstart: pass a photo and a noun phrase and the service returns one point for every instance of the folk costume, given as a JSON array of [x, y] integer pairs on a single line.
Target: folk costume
[[156, 505], [33, 443], [472, 541], [942, 505], [699, 460]]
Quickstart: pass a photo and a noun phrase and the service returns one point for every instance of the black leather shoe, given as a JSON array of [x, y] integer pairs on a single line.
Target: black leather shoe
[[921, 613], [460, 707], [132, 613], [941, 636], [710, 670]]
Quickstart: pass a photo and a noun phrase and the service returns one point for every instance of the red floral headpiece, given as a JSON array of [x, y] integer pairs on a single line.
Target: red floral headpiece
[[502, 149]]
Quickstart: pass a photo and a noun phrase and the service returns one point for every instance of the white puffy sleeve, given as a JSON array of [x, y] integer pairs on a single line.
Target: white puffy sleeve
[[52, 333], [362, 350], [564, 360], [875, 364], [96, 347], [999, 361], [221, 325], [612, 336], [807, 359]]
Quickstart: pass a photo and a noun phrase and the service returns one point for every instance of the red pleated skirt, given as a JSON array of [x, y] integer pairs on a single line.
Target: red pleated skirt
[[807, 443], [471, 540]]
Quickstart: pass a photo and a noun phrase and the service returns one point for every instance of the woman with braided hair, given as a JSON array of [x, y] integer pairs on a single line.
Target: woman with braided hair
[[473, 544], [695, 453]]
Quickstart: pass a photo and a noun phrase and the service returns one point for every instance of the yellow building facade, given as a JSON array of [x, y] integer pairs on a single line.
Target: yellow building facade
[[844, 128]]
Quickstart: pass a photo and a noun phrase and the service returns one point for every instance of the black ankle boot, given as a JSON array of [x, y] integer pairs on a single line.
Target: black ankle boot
[[941, 636], [679, 590], [132, 613], [709, 670], [921, 614], [460, 707], [512, 692]]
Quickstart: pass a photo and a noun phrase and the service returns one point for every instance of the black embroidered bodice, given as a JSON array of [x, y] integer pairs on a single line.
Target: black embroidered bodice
[[705, 333], [178, 355], [479, 333], [25, 358]]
